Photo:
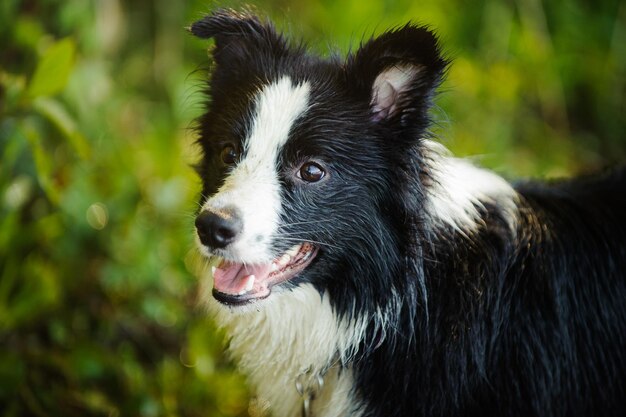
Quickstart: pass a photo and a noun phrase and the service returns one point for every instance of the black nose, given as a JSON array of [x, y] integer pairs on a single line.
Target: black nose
[[220, 228]]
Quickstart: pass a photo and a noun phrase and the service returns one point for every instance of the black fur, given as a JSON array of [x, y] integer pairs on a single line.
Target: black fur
[[489, 321], [529, 326]]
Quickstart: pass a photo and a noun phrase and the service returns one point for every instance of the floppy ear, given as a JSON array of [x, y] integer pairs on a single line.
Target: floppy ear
[[398, 73], [238, 35]]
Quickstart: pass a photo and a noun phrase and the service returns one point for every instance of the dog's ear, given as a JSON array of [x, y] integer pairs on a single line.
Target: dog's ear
[[398, 72], [238, 35]]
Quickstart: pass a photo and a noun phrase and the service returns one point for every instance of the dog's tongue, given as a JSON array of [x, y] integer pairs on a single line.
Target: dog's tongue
[[234, 278]]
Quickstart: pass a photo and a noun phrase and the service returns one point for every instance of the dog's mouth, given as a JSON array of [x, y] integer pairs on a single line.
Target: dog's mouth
[[237, 283]]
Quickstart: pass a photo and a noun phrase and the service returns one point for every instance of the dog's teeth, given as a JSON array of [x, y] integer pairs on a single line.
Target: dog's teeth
[[306, 256], [250, 283], [284, 260], [294, 251], [274, 267], [213, 269]]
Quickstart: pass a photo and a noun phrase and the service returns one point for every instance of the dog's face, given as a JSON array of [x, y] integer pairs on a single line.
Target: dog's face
[[301, 155]]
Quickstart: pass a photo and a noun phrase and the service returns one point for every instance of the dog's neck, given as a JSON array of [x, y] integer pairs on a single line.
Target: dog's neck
[[293, 332]]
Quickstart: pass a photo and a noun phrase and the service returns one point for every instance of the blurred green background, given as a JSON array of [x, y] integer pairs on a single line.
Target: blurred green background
[[97, 101]]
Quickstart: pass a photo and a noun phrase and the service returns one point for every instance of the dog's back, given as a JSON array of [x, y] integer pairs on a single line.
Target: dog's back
[[529, 322], [572, 329], [566, 337]]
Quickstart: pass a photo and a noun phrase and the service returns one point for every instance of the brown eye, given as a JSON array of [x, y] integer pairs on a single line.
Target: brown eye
[[311, 172], [229, 155]]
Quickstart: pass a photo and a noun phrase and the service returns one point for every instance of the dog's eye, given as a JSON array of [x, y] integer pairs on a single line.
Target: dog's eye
[[229, 155], [311, 172]]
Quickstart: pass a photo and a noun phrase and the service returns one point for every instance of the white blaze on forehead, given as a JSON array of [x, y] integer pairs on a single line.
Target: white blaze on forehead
[[277, 108], [253, 186]]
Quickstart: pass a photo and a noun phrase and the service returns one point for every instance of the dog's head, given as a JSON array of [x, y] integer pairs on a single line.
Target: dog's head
[[302, 156]]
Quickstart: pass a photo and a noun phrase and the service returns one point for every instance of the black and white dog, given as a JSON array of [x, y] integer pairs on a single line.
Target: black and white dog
[[356, 260]]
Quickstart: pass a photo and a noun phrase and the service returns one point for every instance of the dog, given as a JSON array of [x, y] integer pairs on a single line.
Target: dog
[[361, 270]]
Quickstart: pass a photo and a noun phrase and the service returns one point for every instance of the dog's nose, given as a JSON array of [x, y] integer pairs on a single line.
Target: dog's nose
[[218, 229]]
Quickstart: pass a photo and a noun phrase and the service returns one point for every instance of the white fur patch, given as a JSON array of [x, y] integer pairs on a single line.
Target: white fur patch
[[273, 341], [253, 186], [459, 189]]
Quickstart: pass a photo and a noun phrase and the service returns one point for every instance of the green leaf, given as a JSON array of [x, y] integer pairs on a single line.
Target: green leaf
[[13, 87], [58, 115], [53, 69], [43, 163]]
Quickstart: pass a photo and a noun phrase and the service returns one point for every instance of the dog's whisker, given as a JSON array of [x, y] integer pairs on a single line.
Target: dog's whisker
[[317, 232], [306, 222], [292, 239]]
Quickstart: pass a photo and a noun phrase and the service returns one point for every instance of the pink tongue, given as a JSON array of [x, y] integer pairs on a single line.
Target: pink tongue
[[231, 278]]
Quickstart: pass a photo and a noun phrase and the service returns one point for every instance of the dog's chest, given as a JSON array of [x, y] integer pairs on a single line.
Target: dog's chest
[[293, 337]]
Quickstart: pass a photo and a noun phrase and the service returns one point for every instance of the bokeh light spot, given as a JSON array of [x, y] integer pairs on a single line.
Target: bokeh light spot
[[97, 216]]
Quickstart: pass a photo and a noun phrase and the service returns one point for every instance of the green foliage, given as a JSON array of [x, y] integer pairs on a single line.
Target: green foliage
[[97, 309], [98, 312], [53, 69]]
